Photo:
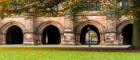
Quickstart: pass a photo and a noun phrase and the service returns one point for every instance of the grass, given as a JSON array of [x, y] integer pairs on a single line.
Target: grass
[[13, 53]]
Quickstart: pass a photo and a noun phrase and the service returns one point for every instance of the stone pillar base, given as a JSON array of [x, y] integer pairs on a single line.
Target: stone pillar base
[[110, 39], [28, 39], [68, 39], [28, 43]]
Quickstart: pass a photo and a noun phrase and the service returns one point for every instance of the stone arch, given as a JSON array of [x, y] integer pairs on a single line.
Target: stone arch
[[14, 35], [98, 25], [124, 29], [43, 25], [122, 24], [7, 25]]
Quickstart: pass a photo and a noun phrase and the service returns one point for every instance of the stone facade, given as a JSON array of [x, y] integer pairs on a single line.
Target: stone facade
[[69, 27]]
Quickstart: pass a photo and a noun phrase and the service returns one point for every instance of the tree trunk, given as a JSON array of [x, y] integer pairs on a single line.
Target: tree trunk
[[136, 34]]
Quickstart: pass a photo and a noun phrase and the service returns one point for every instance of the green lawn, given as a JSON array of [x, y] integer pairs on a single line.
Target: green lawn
[[12, 53]]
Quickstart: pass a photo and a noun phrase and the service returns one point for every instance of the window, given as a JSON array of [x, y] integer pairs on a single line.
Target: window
[[124, 4], [93, 4], [96, 5]]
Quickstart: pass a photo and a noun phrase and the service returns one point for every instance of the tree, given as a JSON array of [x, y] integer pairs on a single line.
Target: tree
[[136, 30], [27, 6], [113, 10], [73, 7], [38, 7]]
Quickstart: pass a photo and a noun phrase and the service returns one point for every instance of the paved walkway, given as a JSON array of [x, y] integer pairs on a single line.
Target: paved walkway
[[69, 46]]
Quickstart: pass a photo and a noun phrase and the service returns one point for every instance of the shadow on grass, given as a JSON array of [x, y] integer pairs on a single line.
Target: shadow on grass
[[73, 49]]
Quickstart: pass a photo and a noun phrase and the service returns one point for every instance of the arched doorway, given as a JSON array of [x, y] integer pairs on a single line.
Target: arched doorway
[[14, 35], [51, 35], [127, 33], [95, 36]]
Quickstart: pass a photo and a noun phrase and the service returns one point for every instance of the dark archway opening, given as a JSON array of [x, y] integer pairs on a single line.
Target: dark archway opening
[[84, 32], [51, 35], [14, 35], [127, 33]]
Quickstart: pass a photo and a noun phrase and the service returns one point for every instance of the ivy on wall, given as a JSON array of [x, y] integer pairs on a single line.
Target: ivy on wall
[[31, 7], [113, 10], [45, 7], [40, 7]]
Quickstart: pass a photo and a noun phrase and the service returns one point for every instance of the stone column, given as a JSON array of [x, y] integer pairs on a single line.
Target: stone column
[[37, 39], [28, 33], [111, 33], [3, 38], [28, 38], [77, 39], [68, 31], [102, 39], [111, 39]]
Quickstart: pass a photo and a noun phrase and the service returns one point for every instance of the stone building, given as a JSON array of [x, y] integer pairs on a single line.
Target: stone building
[[64, 30]]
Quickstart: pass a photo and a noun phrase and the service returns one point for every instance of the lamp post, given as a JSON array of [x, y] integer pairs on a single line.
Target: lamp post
[[89, 37]]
